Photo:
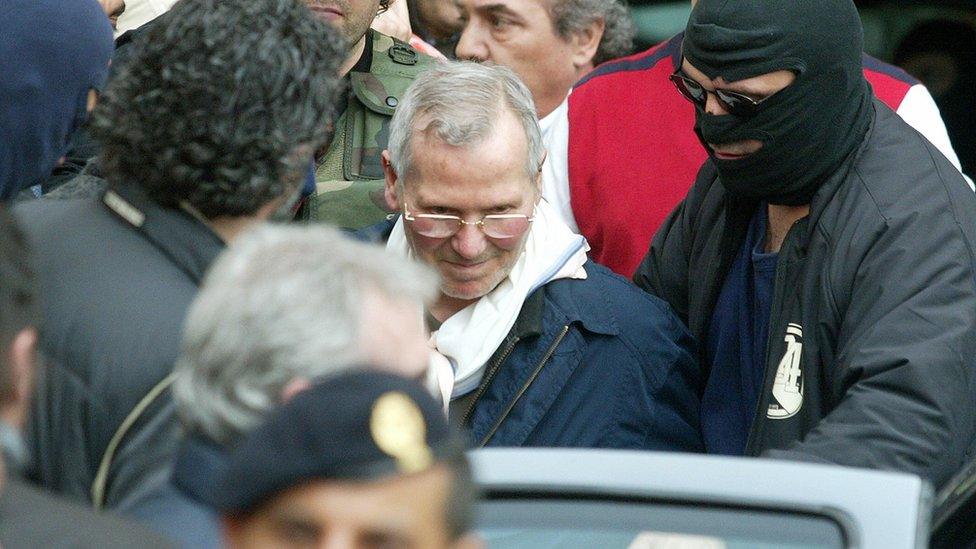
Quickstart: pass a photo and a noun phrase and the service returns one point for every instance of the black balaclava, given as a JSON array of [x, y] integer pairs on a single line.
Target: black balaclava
[[51, 53], [809, 127]]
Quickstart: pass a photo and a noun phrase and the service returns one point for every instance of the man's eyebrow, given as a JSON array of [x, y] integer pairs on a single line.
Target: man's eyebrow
[[385, 537], [426, 203], [755, 95], [750, 88], [291, 514], [508, 205], [747, 89], [497, 9]]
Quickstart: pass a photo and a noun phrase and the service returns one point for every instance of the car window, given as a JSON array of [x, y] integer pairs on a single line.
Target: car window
[[566, 523]]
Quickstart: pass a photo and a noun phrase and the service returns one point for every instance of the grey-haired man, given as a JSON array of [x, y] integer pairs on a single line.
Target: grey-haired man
[[546, 348], [284, 306]]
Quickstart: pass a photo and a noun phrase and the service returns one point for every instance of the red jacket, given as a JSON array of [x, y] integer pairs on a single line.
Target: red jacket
[[633, 153]]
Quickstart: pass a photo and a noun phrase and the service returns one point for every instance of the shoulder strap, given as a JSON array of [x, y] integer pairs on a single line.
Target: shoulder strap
[[394, 66], [101, 477]]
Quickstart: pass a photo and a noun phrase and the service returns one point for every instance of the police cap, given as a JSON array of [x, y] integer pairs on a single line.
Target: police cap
[[355, 426]]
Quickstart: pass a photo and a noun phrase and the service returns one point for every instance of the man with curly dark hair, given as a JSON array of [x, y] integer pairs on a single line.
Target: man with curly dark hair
[[207, 131]]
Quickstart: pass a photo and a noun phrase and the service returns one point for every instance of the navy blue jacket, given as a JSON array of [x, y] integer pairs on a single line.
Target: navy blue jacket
[[590, 363], [180, 509]]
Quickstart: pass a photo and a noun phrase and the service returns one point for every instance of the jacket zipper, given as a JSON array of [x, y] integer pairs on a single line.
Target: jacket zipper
[[528, 382], [767, 384], [492, 372]]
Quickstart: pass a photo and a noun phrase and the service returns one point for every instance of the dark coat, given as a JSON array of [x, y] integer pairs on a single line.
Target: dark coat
[[180, 509], [880, 281], [30, 518], [115, 289], [591, 363]]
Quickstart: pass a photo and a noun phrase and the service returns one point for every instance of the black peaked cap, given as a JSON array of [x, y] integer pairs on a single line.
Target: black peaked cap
[[357, 426]]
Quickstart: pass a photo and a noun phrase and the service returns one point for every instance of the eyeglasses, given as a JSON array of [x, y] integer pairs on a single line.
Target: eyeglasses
[[444, 226], [735, 103]]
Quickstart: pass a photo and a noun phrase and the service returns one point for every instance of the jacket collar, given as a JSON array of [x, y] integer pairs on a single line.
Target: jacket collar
[[198, 465], [826, 193], [188, 242], [529, 321], [566, 297]]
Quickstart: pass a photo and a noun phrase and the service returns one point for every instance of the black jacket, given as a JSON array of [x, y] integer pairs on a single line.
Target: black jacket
[[875, 294], [115, 289]]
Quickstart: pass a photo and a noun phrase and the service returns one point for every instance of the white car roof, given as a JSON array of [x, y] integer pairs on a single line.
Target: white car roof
[[876, 508]]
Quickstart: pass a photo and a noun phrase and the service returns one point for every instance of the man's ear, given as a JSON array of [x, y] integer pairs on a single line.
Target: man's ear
[[21, 362], [390, 190], [92, 101], [584, 44], [538, 174], [293, 387], [232, 530]]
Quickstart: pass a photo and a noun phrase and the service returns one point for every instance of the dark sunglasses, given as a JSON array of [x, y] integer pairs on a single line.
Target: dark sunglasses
[[735, 103]]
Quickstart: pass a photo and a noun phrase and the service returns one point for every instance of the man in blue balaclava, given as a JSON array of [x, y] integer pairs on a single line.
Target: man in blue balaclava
[[824, 258], [50, 82]]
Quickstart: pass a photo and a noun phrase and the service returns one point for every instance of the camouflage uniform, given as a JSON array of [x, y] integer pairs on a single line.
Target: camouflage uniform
[[349, 176]]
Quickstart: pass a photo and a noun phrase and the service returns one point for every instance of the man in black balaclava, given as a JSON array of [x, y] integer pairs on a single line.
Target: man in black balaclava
[[824, 258]]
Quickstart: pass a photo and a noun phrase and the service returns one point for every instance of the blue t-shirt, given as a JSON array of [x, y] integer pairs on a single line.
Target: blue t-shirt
[[735, 347]]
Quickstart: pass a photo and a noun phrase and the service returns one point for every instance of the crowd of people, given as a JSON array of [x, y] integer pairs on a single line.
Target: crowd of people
[[268, 268]]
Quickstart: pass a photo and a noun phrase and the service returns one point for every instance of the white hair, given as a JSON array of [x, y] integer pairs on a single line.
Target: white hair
[[460, 102], [283, 302]]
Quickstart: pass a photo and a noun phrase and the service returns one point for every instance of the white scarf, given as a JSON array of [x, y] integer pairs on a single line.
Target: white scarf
[[470, 337]]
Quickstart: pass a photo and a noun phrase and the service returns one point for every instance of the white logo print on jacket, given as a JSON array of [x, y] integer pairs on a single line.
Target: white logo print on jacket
[[788, 385]]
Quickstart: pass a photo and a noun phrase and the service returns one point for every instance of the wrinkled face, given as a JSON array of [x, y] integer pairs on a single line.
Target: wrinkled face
[[408, 512], [519, 34], [393, 336], [470, 182], [350, 17], [757, 88]]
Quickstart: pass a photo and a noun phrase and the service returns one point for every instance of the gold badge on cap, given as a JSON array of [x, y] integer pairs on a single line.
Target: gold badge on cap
[[399, 430]]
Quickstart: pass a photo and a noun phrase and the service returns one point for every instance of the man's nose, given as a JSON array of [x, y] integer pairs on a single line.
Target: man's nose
[[713, 105], [471, 45], [470, 242]]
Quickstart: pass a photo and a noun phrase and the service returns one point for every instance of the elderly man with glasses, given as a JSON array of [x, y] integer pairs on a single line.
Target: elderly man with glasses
[[824, 258], [537, 346]]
